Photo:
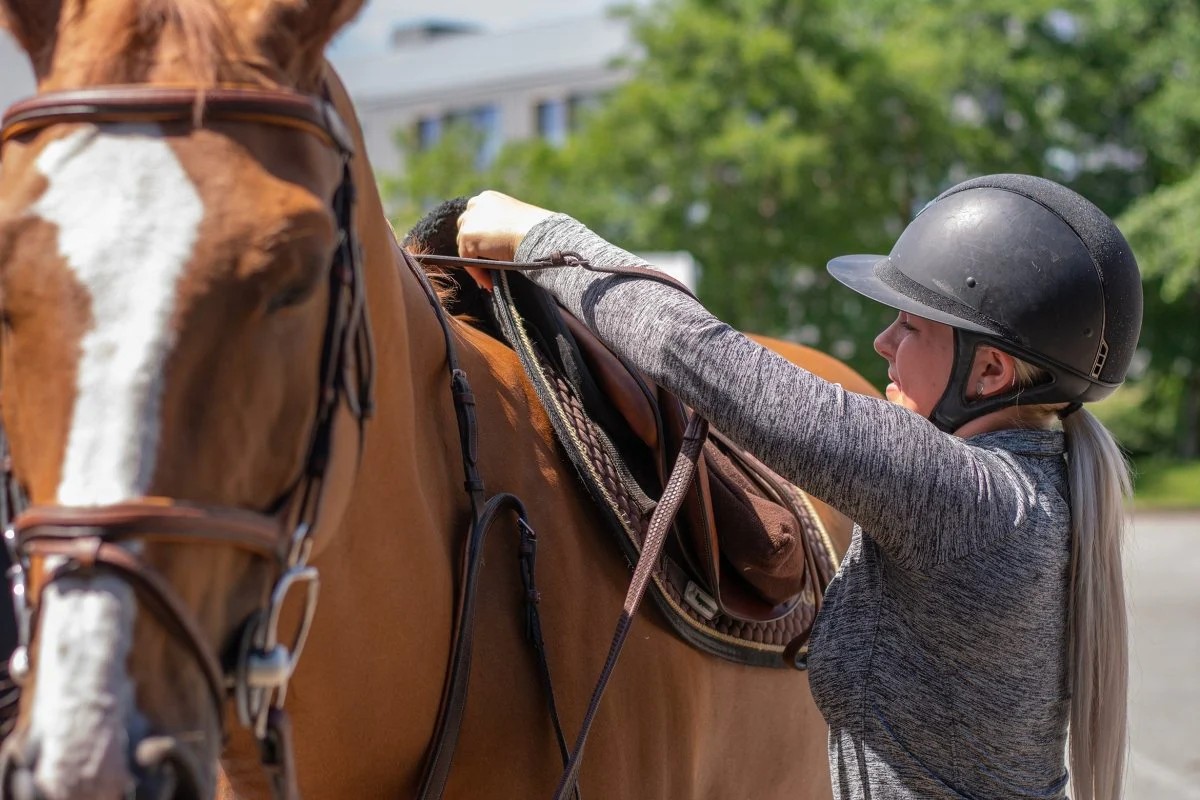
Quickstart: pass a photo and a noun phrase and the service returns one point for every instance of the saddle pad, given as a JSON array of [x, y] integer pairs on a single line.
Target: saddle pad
[[687, 604]]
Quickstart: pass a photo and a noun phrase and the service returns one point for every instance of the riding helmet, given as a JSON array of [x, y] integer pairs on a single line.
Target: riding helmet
[[1025, 265]]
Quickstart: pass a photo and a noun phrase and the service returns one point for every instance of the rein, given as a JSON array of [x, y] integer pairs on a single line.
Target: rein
[[49, 543]]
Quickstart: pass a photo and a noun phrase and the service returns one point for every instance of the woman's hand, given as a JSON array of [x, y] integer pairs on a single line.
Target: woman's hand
[[494, 225]]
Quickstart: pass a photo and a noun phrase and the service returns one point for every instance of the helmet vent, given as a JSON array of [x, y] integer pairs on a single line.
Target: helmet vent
[[1101, 357]]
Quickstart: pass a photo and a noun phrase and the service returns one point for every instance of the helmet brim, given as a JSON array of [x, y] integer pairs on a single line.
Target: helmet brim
[[861, 273]]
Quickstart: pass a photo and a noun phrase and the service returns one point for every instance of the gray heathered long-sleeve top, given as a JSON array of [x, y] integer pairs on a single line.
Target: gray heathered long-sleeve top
[[939, 657]]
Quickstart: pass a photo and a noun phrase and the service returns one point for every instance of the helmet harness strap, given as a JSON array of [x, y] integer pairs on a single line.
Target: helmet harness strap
[[956, 408]]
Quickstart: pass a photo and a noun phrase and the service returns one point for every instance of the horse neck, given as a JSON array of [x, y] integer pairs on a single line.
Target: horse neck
[[407, 438]]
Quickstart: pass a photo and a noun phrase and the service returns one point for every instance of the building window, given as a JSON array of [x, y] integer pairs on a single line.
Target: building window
[[552, 121], [580, 106], [429, 130], [484, 122]]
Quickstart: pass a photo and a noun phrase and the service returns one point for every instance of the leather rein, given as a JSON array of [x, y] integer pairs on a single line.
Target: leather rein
[[49, 543]]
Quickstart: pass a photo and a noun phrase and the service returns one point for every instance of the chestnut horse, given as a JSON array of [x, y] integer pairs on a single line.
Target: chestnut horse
[[181, 376]]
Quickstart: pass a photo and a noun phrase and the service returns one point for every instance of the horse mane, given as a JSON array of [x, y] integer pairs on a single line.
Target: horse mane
[[436, 234]]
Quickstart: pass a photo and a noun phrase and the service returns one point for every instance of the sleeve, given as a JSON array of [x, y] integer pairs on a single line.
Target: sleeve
[[925, 496]]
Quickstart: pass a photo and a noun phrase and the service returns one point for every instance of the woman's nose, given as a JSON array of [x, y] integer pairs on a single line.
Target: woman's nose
[[885, 342]]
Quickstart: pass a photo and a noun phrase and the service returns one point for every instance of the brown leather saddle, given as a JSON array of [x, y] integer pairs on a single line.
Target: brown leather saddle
[[748, 560]]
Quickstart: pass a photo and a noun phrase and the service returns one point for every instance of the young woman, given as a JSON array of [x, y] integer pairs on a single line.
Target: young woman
[[979, 613]]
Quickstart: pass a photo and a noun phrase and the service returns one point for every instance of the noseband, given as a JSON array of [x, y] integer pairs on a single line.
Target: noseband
[[48, 543]]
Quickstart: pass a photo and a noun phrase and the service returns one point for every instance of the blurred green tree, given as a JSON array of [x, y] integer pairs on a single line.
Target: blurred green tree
[[766, 136]]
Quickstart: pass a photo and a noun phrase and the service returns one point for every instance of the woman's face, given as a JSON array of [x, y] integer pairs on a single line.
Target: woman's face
[[919, 353]]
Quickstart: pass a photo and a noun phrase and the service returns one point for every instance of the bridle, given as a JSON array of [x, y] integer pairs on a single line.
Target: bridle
[[49, 543]]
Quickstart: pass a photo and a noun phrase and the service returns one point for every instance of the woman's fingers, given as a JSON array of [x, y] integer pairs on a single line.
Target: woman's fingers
[[494, 225]]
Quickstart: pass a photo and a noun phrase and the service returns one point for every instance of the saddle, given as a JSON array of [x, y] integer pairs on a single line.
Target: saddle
[[748, 560]]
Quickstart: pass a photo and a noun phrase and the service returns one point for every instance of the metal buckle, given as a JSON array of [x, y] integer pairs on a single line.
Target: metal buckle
[[266, 665], [301, 547], [700, 601]]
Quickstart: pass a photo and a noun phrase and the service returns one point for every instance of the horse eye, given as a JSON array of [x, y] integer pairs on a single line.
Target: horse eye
[[292, 295]]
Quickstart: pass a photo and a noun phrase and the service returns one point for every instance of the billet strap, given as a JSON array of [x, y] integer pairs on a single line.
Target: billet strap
[[656, 534], [558, 259]]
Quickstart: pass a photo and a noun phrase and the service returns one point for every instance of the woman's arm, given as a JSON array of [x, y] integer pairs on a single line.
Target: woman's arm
[[925, 496]]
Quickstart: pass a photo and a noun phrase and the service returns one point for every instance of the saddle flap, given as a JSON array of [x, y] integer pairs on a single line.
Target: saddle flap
[[740, 550]]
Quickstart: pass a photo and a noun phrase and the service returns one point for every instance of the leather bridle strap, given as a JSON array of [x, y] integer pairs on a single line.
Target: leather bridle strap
[[660, 524], [88, 539], [483, 514], [118, 104], [160, 520]]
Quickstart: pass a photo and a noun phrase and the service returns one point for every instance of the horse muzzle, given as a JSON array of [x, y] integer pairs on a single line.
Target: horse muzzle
[[160, 768]]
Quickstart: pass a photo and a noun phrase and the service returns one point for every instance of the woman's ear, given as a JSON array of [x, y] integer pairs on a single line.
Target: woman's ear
[[993, 372]]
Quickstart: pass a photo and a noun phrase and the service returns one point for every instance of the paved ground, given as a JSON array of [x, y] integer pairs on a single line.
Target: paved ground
[[1163, 574]]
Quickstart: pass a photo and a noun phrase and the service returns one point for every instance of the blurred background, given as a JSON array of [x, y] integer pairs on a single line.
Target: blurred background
[[752, 140], [756, 139], [763, 137]]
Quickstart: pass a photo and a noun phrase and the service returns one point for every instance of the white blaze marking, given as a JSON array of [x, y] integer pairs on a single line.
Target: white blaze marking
[[128, 217]]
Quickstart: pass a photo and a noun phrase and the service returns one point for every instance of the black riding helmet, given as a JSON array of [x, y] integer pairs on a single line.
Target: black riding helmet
[[1022, 264]]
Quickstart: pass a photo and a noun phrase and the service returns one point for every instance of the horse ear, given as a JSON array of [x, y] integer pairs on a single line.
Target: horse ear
[[295, 32], [34, 24]]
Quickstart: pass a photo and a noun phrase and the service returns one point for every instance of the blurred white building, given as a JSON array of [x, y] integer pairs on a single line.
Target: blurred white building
[[511, 84]]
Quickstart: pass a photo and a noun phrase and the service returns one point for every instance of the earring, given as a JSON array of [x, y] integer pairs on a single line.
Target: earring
[[979, 391]]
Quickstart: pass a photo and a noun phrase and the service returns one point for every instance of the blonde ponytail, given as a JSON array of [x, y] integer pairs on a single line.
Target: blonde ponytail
[[1098, 636]]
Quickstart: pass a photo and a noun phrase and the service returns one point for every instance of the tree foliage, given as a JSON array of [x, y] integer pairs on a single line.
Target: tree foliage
[[767, 136]]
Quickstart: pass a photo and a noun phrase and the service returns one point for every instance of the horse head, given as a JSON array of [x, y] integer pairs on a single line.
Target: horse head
[[179, 283]]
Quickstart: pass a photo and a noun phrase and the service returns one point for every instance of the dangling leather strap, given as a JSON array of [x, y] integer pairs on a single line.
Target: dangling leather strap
[[656, 534]]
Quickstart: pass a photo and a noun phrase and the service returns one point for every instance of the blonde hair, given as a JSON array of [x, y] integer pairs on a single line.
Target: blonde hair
[[1098, 649]]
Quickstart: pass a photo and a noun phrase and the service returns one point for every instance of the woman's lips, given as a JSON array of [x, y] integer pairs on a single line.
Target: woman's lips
[[892, 390]]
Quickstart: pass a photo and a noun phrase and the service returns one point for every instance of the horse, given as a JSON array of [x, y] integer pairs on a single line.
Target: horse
[[204, 429]]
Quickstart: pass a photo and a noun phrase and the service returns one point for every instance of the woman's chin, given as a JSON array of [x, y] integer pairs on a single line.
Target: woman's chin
[[896, 396]]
